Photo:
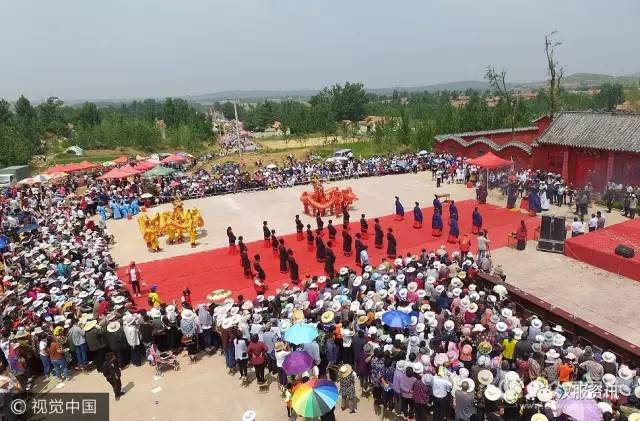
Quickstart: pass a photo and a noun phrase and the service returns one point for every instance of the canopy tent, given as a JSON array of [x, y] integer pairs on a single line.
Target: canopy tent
[[86, 165], [116, 173], [129, 169], [490, 161], [121, 160], [173, 158], [74, 166], [144, 165], [55, 168], [159, 171]]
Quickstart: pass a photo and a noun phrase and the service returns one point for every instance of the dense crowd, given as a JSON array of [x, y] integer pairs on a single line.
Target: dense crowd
[[455, 348]]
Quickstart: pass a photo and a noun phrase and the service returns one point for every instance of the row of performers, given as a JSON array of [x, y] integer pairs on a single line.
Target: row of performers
[[119, 210]]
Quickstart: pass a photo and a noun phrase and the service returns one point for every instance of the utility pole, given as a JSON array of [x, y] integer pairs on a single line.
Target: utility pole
[[235, 111]]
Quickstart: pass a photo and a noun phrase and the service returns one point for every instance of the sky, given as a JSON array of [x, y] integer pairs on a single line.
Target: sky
[[79, 49]]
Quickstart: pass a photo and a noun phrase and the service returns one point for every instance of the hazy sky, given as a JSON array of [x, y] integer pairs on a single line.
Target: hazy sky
[[138, 48]]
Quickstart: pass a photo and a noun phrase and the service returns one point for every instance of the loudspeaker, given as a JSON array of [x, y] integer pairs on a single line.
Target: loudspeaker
[[551, 245], [625, 251], [545, 227], [558, 230]]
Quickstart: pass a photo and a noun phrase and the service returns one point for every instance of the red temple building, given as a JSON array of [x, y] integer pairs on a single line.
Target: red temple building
[[582, 146]]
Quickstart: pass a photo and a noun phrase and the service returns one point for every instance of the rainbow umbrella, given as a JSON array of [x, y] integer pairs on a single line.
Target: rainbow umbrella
[[300, 334], [314, 398], [297, 362]]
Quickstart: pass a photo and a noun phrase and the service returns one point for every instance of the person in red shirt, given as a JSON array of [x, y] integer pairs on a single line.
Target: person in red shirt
[[256, 351], [521, 236], [465, 245], [565, 371]]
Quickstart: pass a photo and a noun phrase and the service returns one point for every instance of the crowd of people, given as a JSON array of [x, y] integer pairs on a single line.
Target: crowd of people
[[456, 348]]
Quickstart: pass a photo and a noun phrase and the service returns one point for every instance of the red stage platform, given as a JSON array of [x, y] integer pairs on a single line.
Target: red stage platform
[[597, 248], [208, 270]]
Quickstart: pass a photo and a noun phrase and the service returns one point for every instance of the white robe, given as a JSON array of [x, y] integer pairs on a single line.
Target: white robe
[[544, 201]]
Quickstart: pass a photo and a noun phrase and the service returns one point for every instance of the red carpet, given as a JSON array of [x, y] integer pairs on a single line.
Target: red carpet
[[205, 271], [597, 248]]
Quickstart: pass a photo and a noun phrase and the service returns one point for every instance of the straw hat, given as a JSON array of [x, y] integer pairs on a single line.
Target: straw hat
[[187, 314], [609, 379], [279, 346], [608, 357], [501, 327], [471, 383], [544, 395], [113, 327], [537, 323], [636, 415], [90, 325], [539, 417], [485, 347], [485, 377], [345, 371], [511, 396], [327, 317], [625, 373], [362, 319], [492, 393], [249, 416], [472, 308]]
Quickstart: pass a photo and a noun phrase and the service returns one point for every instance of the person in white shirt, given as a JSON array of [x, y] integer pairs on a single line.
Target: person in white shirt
[[576, 227], [593, 223], [347, 336]]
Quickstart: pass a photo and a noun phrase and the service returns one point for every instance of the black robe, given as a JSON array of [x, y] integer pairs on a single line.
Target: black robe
[[391, 245], [320, 249], [345, 215], [246, 264], [379, 236], [259, 271], [293, 268], [266, 232], [364, 225], [359, 246], [319, 223], [232, 238], [242, 246], [332, 231], [329, 261], [346, 242], [299, 225], [283, 256]]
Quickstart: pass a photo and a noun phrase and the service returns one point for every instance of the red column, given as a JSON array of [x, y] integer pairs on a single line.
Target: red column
[[565, 164], [610, 166]]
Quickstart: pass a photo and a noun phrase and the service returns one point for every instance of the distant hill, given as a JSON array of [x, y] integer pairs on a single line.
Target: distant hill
[[596, 79]]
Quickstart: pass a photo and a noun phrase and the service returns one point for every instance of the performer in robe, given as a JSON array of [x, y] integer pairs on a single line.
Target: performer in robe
[[283, 256], [274, 243], [476, 220], [454, 231], [192, 226], [124, 209], [534, 203], [437, 205], [346, 243], [391, 244], [320, 249], [417, 216], [319, 224], [115, 211], [232, 240], [299, 228], [135, 207], [453, 211], [512, 196], [364, 227], [246, 264], [399, 210], [345, 216], [241, 245], [266, 234], [359, 246], [482, 193], [310, 238], [379, 234], [259, 286], [257, 267], [329, 260], [294, 272], [102, 213], [544, 199], [331, 230], [436, 223]]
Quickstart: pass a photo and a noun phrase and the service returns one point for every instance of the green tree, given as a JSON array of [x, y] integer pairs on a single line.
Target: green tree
[[51, 116], [610, 95], [349, 101], [88, 115], [5, 112]]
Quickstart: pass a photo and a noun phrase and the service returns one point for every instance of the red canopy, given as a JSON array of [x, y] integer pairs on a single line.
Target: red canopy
[[84, 165], [144, 166], [489, 160], [173, 158], [129, 169], [121, 160], [115, 173], [55, 168]]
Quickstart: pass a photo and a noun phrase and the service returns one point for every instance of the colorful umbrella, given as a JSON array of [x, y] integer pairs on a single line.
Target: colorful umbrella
[[314, 398], [396, 318], [301, 334], [297, 362], [580, 409]]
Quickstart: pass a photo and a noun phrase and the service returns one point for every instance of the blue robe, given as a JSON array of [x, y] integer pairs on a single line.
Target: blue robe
[[399, 208], [437, 205], [135, 207], [116, 211], [417, 214], [476, 219], [534, 202], [453, 211], [436, 221], [453, 228], [102, 213], [124, 209]]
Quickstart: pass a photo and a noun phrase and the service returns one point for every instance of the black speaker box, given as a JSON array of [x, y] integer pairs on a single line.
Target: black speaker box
[[625, 251], [551, 245], [558, 231], [545, 227]]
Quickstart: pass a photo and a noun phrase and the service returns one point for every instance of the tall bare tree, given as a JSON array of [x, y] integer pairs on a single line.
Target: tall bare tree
[[554, 72], [498, 82]]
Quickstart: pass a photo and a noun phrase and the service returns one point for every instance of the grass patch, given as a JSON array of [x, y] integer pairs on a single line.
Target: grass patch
[[365, 149]]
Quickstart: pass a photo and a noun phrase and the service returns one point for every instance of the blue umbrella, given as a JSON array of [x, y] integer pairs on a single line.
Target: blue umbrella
[[27, 228], [395, 318], [301, 334]]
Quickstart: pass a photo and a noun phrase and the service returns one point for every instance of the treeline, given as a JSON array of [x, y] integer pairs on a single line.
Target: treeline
[[25, 129], [412, 118]]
